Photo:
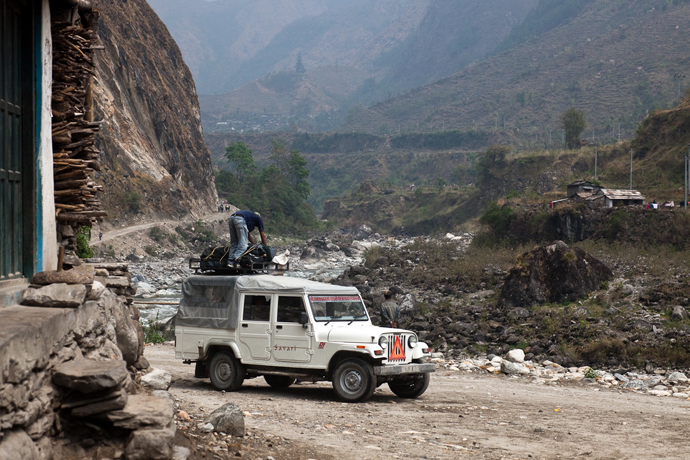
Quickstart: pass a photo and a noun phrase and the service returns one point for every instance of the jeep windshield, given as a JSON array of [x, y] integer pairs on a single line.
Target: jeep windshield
[[329, 308]]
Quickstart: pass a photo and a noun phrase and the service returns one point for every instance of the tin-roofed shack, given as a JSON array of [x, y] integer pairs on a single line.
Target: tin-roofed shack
[[614, 197]]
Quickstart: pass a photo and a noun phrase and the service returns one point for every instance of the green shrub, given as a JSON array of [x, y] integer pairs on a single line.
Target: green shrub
[[371, 255], [84, 251], [150, 250], [133, 201], [157, 233]]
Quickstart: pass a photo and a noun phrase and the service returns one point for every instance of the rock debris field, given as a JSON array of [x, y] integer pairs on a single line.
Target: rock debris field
[[471, 410]]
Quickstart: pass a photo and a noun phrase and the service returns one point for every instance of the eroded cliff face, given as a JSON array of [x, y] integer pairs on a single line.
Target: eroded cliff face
[[155, 162]]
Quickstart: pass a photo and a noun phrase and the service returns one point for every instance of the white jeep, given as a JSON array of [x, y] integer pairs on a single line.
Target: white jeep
[[283, 328]]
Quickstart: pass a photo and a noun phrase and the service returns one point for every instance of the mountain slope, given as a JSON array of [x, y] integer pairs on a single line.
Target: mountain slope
[[154, 158], [615, 61]]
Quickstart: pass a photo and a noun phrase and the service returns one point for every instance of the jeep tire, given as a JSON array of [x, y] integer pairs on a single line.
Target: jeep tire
[[279, 381], [225, 371], [354, 380], [410, 387]]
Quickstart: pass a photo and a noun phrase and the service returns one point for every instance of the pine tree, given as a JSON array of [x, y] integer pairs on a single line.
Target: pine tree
[[299, 67]]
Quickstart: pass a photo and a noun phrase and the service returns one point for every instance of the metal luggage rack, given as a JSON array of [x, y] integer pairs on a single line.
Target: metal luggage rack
[[244, 267]]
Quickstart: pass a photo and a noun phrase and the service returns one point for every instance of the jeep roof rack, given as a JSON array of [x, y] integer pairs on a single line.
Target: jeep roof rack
[[244, 267]]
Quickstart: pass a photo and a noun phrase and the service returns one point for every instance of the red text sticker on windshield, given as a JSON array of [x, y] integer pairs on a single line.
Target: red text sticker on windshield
[[334, 298]]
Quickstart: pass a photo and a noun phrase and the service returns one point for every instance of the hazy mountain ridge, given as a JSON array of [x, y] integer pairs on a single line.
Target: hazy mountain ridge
[[615, 61]]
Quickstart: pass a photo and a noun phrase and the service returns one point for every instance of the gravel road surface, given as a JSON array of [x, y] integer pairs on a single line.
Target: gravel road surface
[[462, 415]]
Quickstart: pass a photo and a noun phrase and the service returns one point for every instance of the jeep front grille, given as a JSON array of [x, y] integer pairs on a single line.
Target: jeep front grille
[[398, 351]]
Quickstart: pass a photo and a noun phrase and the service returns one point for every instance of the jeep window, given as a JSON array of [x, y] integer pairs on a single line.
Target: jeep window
[[290, 309], [338, 308], [257, 308]]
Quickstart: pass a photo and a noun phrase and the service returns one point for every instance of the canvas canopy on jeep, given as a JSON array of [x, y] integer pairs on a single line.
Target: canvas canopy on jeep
[[213, 301]]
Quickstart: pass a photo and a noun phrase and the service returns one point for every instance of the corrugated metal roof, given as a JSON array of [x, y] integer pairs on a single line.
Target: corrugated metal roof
[[617, 194], [580, 182]]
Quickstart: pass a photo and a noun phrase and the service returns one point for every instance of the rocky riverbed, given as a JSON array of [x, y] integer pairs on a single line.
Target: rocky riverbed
[[450, 293]]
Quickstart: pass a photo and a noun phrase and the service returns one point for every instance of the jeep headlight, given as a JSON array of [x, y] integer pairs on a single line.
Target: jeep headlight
[[412, 341], [383, 342]]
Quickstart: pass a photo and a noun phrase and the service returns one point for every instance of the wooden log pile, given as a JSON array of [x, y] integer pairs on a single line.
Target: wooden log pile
[[75, 156]]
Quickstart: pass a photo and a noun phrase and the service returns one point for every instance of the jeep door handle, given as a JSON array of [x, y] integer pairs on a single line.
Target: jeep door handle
[[245, 325], [279, 327]]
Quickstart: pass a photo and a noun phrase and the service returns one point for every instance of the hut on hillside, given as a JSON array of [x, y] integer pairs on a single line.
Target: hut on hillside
[[613, 198], [582, 189]]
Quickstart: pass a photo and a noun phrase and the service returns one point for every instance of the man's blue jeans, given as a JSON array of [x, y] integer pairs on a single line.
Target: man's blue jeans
[[239, 240]]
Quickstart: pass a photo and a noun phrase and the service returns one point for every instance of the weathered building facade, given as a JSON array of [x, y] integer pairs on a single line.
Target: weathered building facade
[[28, 242]]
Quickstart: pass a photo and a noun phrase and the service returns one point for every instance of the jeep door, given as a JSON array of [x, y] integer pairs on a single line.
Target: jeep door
[[255, 328], [292, 342]]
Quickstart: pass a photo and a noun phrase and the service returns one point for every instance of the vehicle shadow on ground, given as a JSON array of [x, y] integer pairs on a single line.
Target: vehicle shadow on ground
[[256, 387]]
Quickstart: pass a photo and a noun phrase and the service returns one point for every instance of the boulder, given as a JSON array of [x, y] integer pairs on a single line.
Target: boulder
[[677, 377], [89, 376], [60, 295], [125, 329], [116, 402], [552, 274], [143, 411], [679, 313], [17, 445], [227, 419], [516, 356], [158, 379], [79, 275], [150, 444], [312, 253], [510, 368]]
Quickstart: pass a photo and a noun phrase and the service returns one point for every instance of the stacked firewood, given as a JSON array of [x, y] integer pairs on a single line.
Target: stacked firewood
[[75, 156]]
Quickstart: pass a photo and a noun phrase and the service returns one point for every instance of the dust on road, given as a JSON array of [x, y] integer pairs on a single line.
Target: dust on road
[[477, 416]]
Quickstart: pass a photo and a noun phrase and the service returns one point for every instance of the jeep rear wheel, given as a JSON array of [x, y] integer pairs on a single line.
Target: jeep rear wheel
[[409, 387], [279, 381], [225, 371], [354, 380]]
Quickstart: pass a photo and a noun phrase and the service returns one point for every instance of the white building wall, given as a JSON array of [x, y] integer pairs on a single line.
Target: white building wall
[[46, 234]]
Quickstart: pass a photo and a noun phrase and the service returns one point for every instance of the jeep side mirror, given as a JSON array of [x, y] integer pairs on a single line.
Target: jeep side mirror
[[304, 319]]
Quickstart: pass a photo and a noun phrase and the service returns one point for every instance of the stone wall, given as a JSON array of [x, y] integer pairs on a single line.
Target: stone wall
[[80, 317]]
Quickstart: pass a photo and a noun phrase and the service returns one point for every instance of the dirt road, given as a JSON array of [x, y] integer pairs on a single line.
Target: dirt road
[[461, 416]]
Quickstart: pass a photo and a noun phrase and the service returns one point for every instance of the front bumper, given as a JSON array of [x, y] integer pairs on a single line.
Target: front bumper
[[404, 369]]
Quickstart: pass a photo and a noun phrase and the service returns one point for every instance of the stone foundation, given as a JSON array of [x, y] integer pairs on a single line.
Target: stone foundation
[[84, 314]]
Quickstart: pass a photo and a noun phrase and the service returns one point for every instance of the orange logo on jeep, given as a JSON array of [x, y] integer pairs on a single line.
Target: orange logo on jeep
[[397, 351]]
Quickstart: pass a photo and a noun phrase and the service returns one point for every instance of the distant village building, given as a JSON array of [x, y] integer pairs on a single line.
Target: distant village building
[[613, 198], [582, 188]]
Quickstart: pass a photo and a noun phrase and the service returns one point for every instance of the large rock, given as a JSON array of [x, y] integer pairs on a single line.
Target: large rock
[[150, 444], [125, 329], [158, 379], [227, 419], [679, 313], [516, 356], [116, 401], [60, 295], [313, 254], [17, 445], [79, 275], [143, 411], [89, 376], [554, 273]]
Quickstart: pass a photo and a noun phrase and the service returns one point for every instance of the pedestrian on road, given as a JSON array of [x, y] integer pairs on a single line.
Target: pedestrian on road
[[100, 236], [390, 312], [242, 223]]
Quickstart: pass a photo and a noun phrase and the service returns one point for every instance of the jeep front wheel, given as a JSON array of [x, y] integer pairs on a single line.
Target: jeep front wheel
[[410, 388], [279, 381], [225, 371], [354, 380]]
